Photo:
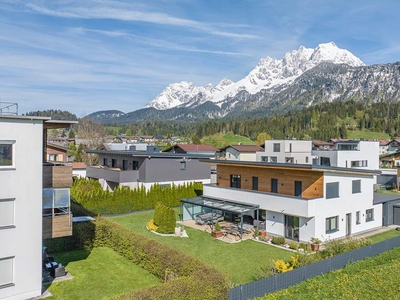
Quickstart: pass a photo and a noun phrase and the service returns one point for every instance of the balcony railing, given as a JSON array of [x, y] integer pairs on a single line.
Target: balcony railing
[[57, 175], [112, 174]]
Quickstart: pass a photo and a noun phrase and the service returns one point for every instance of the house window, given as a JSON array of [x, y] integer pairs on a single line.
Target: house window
[[113, 163], [7, 270], [273, 159], [289, 160], [183, 165], [274, 185], [331, 224], [255, 184], [235, 181], [264, 158], [306, 159], [359, 163], [6, 153], [124, 164], [332, 190], [105, 162], [297, 188], [277, 147], [325, 161], [7, 213], [356, 186], [358, 218], [369, 215], [135, 165]]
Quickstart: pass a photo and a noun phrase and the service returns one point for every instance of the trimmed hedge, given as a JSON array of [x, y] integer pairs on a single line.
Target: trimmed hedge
[[83, 234], [91, 196], [164, 218], [195, 280]]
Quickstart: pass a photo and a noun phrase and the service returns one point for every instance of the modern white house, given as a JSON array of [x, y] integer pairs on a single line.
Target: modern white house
[[286, 151], [239, 152], [350, 154], [298, 201], [23, 222]]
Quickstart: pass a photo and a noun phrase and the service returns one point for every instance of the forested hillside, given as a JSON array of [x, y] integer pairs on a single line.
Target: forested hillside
[[54, 114]]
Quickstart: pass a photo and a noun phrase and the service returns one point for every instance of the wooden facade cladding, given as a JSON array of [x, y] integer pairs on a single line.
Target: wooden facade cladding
[[57, 176], [312, 182], [57, 226]]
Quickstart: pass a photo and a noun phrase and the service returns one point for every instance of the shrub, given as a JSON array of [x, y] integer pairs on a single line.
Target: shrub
[[335, 247], [293, 246], [281, 266], [151, 226], [217, 227], [278, 240], [305, 246], [164, 218]]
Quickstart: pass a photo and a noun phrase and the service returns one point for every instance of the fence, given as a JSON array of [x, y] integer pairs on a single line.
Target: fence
[[284, 280]]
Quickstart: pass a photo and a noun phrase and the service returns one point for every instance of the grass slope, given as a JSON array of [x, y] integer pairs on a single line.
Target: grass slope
[[236, 139], [372, 278], [241, 262], [366, 134], [97, 274], [384, 236]]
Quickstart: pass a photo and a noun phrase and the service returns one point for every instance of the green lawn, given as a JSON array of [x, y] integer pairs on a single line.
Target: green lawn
[[366, 134], [236, 139], [241, 262], [371, 278], [384, 236], [97, 274]]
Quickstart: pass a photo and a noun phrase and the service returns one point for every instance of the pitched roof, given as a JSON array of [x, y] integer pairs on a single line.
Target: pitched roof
[[384, 142], [192, 147], [244, 148]]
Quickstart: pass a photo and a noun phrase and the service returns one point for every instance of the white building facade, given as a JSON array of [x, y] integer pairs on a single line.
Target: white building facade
[[286, 151]]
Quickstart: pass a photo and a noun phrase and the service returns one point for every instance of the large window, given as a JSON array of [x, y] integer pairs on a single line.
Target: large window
[[332, 190], [235, 181], [264, 158], [298, 188], [359, 163], [255, 183], [369, 215], [277, 147], [6, 153], [325, 161], [7, 213], [6, 272], [274, 185], [289, 160], [356, 186], [331, 224], [273, 159], [113, 163]]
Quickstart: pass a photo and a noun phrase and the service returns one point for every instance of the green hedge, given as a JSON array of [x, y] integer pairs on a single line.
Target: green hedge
[[195, 280], [90, 195], [83, 234], [164, 218]]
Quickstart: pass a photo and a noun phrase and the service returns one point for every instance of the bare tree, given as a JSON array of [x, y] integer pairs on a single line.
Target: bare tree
[[92, 135]]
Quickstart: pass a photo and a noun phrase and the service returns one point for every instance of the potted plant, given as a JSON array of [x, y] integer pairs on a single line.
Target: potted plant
[[315, 242], [217, 231]]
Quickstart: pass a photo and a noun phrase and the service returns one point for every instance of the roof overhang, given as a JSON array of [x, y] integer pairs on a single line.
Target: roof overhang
[[57, 124], [219, 204]]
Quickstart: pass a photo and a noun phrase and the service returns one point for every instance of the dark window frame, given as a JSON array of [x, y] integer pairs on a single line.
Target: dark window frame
[[332, 190], [329, 228]]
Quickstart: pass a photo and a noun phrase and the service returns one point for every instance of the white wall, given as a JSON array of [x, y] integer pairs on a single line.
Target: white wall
[[24, 183], [299, 150]]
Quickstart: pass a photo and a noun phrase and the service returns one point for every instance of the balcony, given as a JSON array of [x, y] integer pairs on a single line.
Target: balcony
[[57, 175], [57, 217], [290, 205], [112, 174]]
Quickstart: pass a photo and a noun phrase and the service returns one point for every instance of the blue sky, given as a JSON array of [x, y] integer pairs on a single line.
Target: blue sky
[[84, 56]]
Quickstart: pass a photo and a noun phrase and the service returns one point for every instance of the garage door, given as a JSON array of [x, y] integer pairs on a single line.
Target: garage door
[[396, 215]]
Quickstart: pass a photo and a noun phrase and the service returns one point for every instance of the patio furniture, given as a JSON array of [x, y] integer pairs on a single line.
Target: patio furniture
[[209, 218]]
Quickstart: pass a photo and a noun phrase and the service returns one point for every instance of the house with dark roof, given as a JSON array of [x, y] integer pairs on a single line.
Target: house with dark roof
[[56, 153], [239, 152], [145, 166], [192, 149]]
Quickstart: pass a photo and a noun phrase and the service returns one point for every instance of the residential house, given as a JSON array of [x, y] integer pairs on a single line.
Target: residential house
[[239, 152], [394, 146], [147, 166], [78, 169], [390, 160], [298, 201], [56, 153], [350, 154], [390, 208], [383, 147], [286, 151], [321, 145], [192, 149], [34, 201]]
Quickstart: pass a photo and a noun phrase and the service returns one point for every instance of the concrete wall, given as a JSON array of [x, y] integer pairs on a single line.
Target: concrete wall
[[23, 183]]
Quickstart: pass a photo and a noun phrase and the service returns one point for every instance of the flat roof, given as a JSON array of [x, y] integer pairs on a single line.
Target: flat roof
[[151, 154], [382, 198], [54, 124], [24, 117], [215, 203], [294, 166]]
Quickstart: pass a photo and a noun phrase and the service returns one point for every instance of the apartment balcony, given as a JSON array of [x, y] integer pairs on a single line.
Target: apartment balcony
[[289, 205], [57, 217], [57, 175], [112, 174]]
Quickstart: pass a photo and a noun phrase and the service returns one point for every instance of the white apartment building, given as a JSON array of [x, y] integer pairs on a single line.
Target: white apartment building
[[286, 151], [350, 154], [22, 149]]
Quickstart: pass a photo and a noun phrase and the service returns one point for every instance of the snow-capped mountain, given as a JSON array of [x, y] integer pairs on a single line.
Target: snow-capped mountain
[[268, 73]]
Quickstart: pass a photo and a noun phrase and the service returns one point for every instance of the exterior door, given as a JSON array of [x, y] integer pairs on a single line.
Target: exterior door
[[292, 227], [396, 215], [348, 224]]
